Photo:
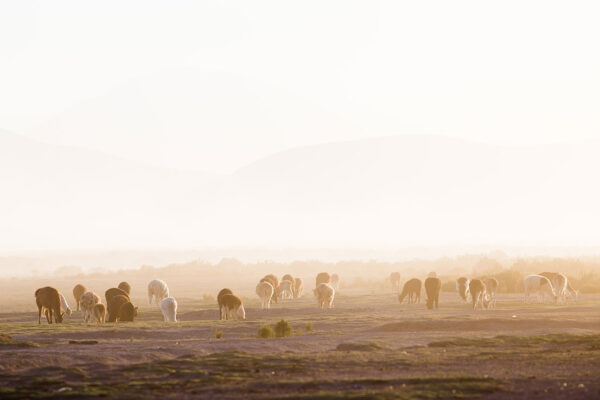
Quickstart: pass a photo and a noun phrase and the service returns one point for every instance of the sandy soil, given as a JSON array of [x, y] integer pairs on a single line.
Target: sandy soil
[[368, 346]]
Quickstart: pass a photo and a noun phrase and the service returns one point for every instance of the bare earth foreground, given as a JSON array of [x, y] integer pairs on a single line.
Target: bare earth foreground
[[367, 347]]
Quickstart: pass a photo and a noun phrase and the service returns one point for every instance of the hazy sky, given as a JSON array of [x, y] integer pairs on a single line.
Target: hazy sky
[[213, 85]]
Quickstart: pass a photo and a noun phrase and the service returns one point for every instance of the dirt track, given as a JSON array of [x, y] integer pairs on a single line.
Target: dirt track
[[389, 344]]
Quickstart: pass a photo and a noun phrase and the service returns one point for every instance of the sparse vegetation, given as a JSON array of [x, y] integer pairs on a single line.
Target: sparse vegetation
[[309, 327], [283, 329], [266, 332]]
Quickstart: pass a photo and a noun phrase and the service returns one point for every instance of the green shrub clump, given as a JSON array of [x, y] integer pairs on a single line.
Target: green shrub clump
[[266, 332], [283, 329]]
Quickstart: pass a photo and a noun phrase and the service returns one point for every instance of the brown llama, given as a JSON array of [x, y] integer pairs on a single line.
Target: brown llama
[[112, 292], [127, 312], [274, 281], [48, 298], [298, 287], [478, 293], [432, 288], [99, 311], [412, 289], [222, 293], [124, 286], [322, 277], [233, 307], [78, 290]]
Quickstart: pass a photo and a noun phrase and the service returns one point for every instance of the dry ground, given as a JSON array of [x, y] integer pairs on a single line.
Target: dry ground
[[367, 347]]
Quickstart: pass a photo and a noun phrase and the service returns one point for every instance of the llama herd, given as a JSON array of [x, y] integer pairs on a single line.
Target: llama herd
[[119, 308], [483, 291]]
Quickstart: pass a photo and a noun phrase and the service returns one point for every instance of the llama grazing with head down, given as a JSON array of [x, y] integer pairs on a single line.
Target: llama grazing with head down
[[491, 289], [222, 293], [559, 283], [121, 309], [412, 290], [298, 287], [286, 290], [540, 286], [99, 312], [126, 287], [395, 281], [78, 290], [265, 291], [274, 281], [65, 305], [88, 301], [233, 307], [478, 293], [48, 298], [112, 292], [325, 294], [462, 287], [169, 309], [432, 288], [157, 290]]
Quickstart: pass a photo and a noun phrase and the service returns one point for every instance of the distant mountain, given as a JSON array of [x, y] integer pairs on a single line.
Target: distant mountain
[[406, 190], [72, 197]]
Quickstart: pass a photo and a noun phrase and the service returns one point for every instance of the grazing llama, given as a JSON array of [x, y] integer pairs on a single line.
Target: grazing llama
[[298, 287], [88, 301], [264, 290], [462, 287], [48, 298], [121, 309], [412, 289], [325, 294], [540, 286], [78, 290], [65, 305], [157, 290], [432, 288], [322, 277], [169, 309], [478, 293], [222, 293], [99, 311], [286, 290], [124, 286], [112, 292], [274, 281], [559, 283], [233, 307]]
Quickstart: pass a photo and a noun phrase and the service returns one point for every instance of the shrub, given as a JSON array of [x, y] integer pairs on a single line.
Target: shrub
[[266, 332], [283, 329], [309, 327]]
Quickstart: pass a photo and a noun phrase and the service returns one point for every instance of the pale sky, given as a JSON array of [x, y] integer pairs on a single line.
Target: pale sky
[[215, 85]]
